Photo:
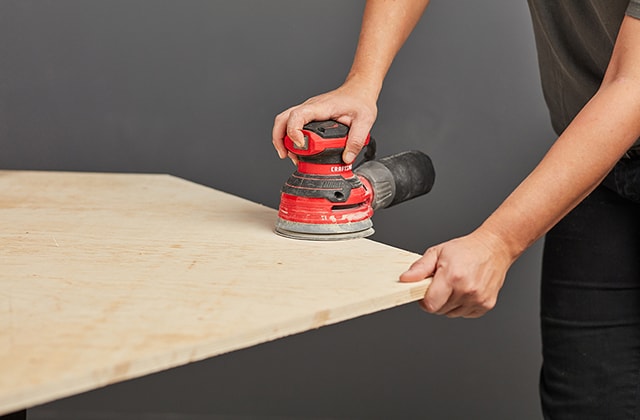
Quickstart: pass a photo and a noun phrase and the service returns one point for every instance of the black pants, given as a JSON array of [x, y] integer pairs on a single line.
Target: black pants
[[590, 311]]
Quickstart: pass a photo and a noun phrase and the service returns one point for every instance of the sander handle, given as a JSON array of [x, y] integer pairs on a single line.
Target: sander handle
[[398, 178], [321, 138]]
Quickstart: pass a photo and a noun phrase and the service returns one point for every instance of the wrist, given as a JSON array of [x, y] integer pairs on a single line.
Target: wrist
[[499, 242], [365, 84]]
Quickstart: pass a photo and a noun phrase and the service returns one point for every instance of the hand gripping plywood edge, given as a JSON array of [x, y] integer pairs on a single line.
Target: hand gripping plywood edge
[[108, 277]]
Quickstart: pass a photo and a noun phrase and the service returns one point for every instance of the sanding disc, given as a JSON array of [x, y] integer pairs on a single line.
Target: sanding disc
[[324, 232]]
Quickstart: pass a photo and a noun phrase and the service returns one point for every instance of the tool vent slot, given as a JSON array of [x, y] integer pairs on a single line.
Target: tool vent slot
[[339, 207]]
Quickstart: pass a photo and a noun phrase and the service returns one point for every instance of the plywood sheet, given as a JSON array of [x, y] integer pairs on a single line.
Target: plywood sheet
[[107, 277]]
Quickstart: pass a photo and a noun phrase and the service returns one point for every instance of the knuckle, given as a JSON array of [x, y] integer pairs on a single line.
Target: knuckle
[[486, 305], [357, 142], [295, 114], [294, 111], [314, 99], [429, 307], [471, 293], [462, 279], [283, 117], [489, 304], [368, 118], [431, 252], [299, 113], [456, 279]]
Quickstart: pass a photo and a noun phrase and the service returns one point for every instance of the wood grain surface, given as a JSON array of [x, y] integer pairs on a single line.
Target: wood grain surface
[[107, 277]]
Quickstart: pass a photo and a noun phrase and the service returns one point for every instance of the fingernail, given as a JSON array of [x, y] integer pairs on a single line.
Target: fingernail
[[349, 157]]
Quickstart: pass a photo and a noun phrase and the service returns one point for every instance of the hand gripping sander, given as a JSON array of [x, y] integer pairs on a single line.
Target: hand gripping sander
[[326, 199]]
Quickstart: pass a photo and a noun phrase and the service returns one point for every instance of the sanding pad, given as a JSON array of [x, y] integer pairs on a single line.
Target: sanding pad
[[324, 232]]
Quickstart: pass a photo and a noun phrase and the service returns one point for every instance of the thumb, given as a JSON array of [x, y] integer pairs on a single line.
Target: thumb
[[358, 133], [422, 268]]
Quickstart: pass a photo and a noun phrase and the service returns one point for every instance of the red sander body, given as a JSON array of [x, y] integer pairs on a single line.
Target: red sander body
[[327, 199]]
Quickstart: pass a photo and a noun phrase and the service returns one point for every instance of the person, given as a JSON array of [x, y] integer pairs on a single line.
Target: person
[[589, 58]]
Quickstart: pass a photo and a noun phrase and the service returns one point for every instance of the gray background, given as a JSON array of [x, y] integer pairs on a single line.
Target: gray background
[[191, 87]]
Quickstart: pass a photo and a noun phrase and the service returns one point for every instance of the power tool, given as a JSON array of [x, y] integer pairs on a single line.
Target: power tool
[[327, 199]]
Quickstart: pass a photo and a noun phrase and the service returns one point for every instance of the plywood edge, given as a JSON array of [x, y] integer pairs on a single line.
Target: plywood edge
[[72, 385], [46, 172]]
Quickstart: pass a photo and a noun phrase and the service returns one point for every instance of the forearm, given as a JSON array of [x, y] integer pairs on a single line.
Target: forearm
[[468, 272], [386, 24], [581, 157]]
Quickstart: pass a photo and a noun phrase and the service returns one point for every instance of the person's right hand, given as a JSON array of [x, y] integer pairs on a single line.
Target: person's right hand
[[351, 104]]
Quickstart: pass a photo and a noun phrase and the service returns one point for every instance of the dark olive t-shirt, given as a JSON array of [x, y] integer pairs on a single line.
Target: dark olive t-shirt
[[574, 39]]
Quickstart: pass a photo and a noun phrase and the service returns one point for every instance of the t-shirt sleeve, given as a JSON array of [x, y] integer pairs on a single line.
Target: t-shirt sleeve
[[634, 8]]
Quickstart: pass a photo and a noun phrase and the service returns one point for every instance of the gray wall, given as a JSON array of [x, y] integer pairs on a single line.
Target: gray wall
[[191, 88]]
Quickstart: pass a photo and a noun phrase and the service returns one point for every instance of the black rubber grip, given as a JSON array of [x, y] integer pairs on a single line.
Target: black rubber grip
[[334, 188], [413, 174]]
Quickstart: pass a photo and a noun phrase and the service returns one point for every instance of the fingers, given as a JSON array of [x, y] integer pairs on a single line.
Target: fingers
[[278, 132], [358, 133], [422, 268], [349, 106], [439, 290], [467, 278], [438, 299], [297, 119], [290, 123], [459, 312], [293, 158], [455, 296]]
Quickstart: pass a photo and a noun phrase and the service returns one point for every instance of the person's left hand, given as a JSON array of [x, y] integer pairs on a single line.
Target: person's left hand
[[468, 273]]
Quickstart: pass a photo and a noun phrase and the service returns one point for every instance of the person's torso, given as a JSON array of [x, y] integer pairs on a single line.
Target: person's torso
[[574, 39]]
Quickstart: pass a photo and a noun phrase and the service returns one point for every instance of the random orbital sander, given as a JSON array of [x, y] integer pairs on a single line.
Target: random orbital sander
[[326, 199]]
